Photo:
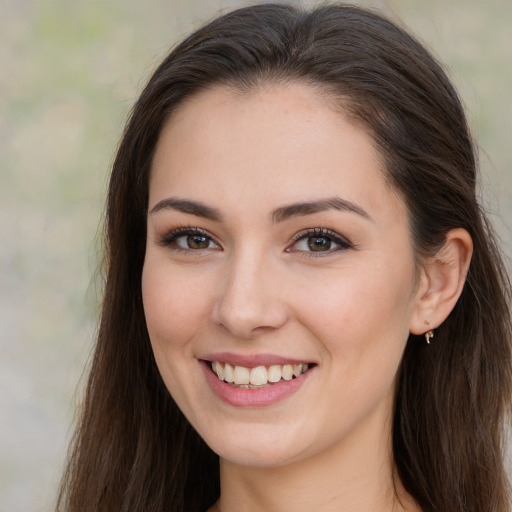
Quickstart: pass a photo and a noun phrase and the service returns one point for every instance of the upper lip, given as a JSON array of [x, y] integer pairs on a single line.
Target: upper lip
[[253, 360]]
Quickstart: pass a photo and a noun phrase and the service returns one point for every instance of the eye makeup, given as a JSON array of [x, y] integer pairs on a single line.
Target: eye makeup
[[189, 239], [318, 242], [313, 242]]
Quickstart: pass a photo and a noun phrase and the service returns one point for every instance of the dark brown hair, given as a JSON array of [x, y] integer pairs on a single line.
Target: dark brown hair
[[133, 449]]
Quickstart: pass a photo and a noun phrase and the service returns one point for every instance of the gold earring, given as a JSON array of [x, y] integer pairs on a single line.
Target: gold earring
[[429, 335]]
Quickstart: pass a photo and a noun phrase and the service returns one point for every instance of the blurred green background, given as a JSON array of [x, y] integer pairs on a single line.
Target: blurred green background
[[69, 73]]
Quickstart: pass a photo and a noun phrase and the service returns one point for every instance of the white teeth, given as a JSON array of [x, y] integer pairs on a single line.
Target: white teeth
[[241, 375], [287, 372], [217, 368], [297, 369], [274, 373], [258, 376], [229, 373]]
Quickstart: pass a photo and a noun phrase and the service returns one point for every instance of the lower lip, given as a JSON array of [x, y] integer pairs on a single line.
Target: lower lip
[[245, 397]]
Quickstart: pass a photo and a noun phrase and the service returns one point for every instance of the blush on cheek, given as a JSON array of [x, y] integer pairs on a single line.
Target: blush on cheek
[[171, 322]]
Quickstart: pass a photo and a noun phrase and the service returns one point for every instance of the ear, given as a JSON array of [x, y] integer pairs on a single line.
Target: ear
[[441, 281]]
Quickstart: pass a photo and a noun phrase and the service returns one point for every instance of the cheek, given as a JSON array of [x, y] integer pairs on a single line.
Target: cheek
[[175, 309], [367, 309], [362, 324], [174, 305]]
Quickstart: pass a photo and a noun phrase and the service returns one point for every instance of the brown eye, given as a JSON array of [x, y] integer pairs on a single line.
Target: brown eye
[[198, 242], [189, 239], [319, 243]]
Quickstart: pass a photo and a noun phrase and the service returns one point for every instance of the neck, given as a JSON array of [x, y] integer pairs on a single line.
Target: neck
[[357, 475]]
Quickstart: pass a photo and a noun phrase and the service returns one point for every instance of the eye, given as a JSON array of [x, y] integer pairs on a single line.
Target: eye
[[194, 242], [319, 240], [189, 239], [315, 243]]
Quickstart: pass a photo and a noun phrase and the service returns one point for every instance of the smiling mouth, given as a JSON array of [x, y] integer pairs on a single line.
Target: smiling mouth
[[259, 376]]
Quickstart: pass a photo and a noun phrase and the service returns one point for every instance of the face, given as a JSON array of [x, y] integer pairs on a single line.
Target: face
[[279, 279]]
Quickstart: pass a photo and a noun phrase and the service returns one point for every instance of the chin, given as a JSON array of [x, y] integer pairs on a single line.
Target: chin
[[257, 457], [258, 446]]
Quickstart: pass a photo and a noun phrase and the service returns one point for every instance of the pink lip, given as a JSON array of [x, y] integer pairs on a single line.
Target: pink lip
[[251, 361], [241, 397]]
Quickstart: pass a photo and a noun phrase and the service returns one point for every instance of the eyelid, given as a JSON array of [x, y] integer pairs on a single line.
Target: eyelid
[[342, 241], [169, 237]]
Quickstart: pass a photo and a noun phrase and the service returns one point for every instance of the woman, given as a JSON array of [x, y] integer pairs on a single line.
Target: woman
[[305, 305]]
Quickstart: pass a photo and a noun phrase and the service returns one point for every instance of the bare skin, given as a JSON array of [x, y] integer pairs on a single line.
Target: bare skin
[[231, 268]]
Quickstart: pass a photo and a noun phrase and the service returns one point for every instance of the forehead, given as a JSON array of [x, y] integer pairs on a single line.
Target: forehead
[[280, 142]]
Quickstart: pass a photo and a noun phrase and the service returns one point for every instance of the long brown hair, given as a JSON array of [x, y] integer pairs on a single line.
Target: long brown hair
[[133, 449]]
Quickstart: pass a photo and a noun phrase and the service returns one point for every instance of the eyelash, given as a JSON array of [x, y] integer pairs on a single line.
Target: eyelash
[[169, 240], [342, 242]]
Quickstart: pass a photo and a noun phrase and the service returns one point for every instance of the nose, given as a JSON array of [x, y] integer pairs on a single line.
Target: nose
[[249, 300]]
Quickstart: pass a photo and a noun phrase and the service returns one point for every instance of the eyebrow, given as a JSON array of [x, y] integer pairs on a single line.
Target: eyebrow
[[278, 215], [188, 206], [307, 208]]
